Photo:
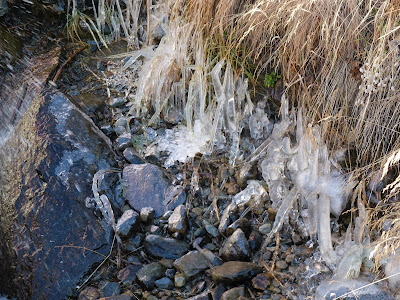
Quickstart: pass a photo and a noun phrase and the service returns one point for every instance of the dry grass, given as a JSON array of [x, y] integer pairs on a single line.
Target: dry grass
[[339, 61]]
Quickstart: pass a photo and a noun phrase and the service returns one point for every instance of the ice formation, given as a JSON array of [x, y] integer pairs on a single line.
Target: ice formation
[[314, 179], [210, 126]]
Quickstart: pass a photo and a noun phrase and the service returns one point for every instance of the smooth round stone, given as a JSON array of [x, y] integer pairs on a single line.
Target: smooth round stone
[[281, 264]]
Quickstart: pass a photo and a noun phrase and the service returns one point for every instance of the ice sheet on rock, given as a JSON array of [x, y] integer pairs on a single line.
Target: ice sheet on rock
[[254, 189]]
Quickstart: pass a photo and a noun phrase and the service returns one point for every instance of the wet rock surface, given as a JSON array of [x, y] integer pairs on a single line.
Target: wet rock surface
[[46, 176]]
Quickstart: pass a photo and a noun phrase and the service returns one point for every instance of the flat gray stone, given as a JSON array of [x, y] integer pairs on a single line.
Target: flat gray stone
[[148, 275], [145, 186], [162, 247], [234, 271], [191, 264]]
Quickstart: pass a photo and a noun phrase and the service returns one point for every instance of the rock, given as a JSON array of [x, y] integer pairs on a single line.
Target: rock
[[260, 282], [145, 186], [217, 292], [265, 228], [174, 195], [225, 219], [47, 167], [128, 274], [128, 224], [177, 222], [202, 296], [123, 141], [166, 263], [110, 289], [281, 264], [392, 267], [234, 271], [89, 293], [162, 247], [147, 214], [131, 155], [134, 242], [3, 7], [124, 296], [180, 280], [335, 289], [255, 240], [170, 273], [233, 294], [149, 274], [236, 247], [117, 101], [164, 283], [191, 264], [242, 223], [212, 230]]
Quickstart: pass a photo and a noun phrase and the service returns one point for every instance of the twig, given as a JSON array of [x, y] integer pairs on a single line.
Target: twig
[[148, 22], [66, 62]]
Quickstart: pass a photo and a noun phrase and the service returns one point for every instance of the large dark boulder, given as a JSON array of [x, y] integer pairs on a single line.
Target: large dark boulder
[[47, 165]]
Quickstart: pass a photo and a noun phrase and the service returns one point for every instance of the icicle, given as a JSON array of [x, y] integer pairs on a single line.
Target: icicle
[[324, 229]]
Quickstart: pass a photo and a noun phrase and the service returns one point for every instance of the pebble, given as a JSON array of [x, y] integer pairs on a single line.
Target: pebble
[[110, 289], [125, 296], [290, 258], [164, 283], [89, 293], [166, 263], [265, 228], [133, 243], [191, 264], [260, 282], [236, 247], [128, 224], [117, 101], [180, 280], [127, 275], [233, 294], [161, 247], [123, 141], [147, 214], [131, 156], [234, 271], [217, 292], [281, 264], [212, 230], [225, 219], [149, 274], [202, 296], [255, 240], [242, 223], [177, 222]]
